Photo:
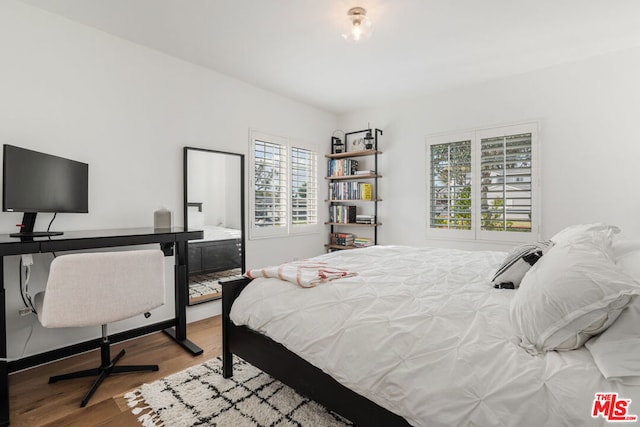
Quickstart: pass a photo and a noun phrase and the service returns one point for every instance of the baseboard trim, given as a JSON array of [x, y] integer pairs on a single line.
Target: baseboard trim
[[72, 350]]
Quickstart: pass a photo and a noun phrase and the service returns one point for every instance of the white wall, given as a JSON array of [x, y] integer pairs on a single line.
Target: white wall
[[209, 182], [588, 113], [76, 92]]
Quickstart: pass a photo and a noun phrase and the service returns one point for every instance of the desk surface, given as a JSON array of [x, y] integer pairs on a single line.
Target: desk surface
[[176, 237], [86, 239]]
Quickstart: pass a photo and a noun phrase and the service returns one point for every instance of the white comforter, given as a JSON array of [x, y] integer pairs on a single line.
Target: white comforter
[[421, 332]]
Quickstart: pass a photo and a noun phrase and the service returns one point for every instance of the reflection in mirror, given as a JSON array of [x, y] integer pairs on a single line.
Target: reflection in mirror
[[214, 203]]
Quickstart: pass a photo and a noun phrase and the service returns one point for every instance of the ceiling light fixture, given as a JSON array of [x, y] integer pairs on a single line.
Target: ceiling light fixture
[[359, 26]]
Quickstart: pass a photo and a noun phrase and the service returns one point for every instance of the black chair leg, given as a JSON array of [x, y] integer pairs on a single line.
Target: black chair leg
[[79, 374], [94, 387], [134, 368], [109, 363], [107, 368]]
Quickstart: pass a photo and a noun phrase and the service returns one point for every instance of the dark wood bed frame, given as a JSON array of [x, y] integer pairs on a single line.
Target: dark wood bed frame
[[289, 368], [211, 256]]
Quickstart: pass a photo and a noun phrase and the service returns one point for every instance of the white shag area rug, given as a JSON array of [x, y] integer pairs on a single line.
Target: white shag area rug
[[200, 396]]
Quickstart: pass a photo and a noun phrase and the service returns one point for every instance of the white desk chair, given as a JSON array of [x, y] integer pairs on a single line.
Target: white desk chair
[[91, 289]]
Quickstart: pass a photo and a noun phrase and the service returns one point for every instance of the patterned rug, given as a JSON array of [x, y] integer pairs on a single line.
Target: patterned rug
[[205, 286], [200, 396]]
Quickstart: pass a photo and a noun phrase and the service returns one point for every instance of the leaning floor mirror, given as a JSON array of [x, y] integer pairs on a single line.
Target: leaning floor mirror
[[214, 203]]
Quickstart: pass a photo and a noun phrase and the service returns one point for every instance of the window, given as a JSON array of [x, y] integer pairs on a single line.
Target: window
[[451, 185], [482, 184], [270, 184], [505, 194], [283, 187], [304, 194]]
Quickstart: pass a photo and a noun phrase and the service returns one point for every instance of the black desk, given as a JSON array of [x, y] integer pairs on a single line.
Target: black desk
[[169, 240]]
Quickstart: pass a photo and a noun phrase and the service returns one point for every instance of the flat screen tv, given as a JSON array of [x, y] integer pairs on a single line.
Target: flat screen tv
[[35, 182]]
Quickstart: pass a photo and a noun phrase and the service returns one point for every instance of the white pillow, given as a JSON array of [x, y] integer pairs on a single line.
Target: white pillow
[[572, 293], [624, 248], [517, 264], [631, 266], [589, 232], [617, 350], [626, 254]]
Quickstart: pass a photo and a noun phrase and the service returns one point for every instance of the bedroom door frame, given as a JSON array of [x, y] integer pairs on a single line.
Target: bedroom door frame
[[186, 204]]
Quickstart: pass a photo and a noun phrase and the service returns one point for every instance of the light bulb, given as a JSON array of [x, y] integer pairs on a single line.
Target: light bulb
[[358, 25], [356, 31]]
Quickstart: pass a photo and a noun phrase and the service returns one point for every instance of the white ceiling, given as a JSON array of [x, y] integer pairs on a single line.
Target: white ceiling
[[293, 47]]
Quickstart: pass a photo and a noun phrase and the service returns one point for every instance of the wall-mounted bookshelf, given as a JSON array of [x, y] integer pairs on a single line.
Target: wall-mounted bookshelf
[[353, 198]]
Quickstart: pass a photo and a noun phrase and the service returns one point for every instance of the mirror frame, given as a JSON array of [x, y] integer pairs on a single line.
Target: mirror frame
[[185, 171]]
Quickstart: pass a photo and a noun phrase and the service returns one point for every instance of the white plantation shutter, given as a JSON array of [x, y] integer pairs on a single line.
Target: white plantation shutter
[[483, 184], [304, 194], [283, 188], [505, 194], [451, 185], [270, 197]]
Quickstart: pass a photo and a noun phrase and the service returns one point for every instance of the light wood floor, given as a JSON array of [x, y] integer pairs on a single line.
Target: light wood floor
[[34, 402]]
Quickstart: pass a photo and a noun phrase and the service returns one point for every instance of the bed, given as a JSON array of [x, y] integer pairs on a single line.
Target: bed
[[421, 337], [220, 249]]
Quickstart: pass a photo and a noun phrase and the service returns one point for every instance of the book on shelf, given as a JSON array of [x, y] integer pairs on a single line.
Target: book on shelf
[[342, 214], [350, 190], [341, 167], [365, 219], [365, 172], [342, 239], [366, 191], [362, 242]]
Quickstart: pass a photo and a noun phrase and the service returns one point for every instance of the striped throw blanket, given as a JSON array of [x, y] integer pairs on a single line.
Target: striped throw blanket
[[306, 274]]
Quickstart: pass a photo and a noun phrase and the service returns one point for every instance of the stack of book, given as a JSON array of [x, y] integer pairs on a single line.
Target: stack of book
[[342, 167], [361, 242], [365, 172], [342, 239], [365, 219]]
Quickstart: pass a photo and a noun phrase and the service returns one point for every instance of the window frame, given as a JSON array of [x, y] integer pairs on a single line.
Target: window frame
[[288, 228], [476, 135], [444, 139], [313, 176]]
